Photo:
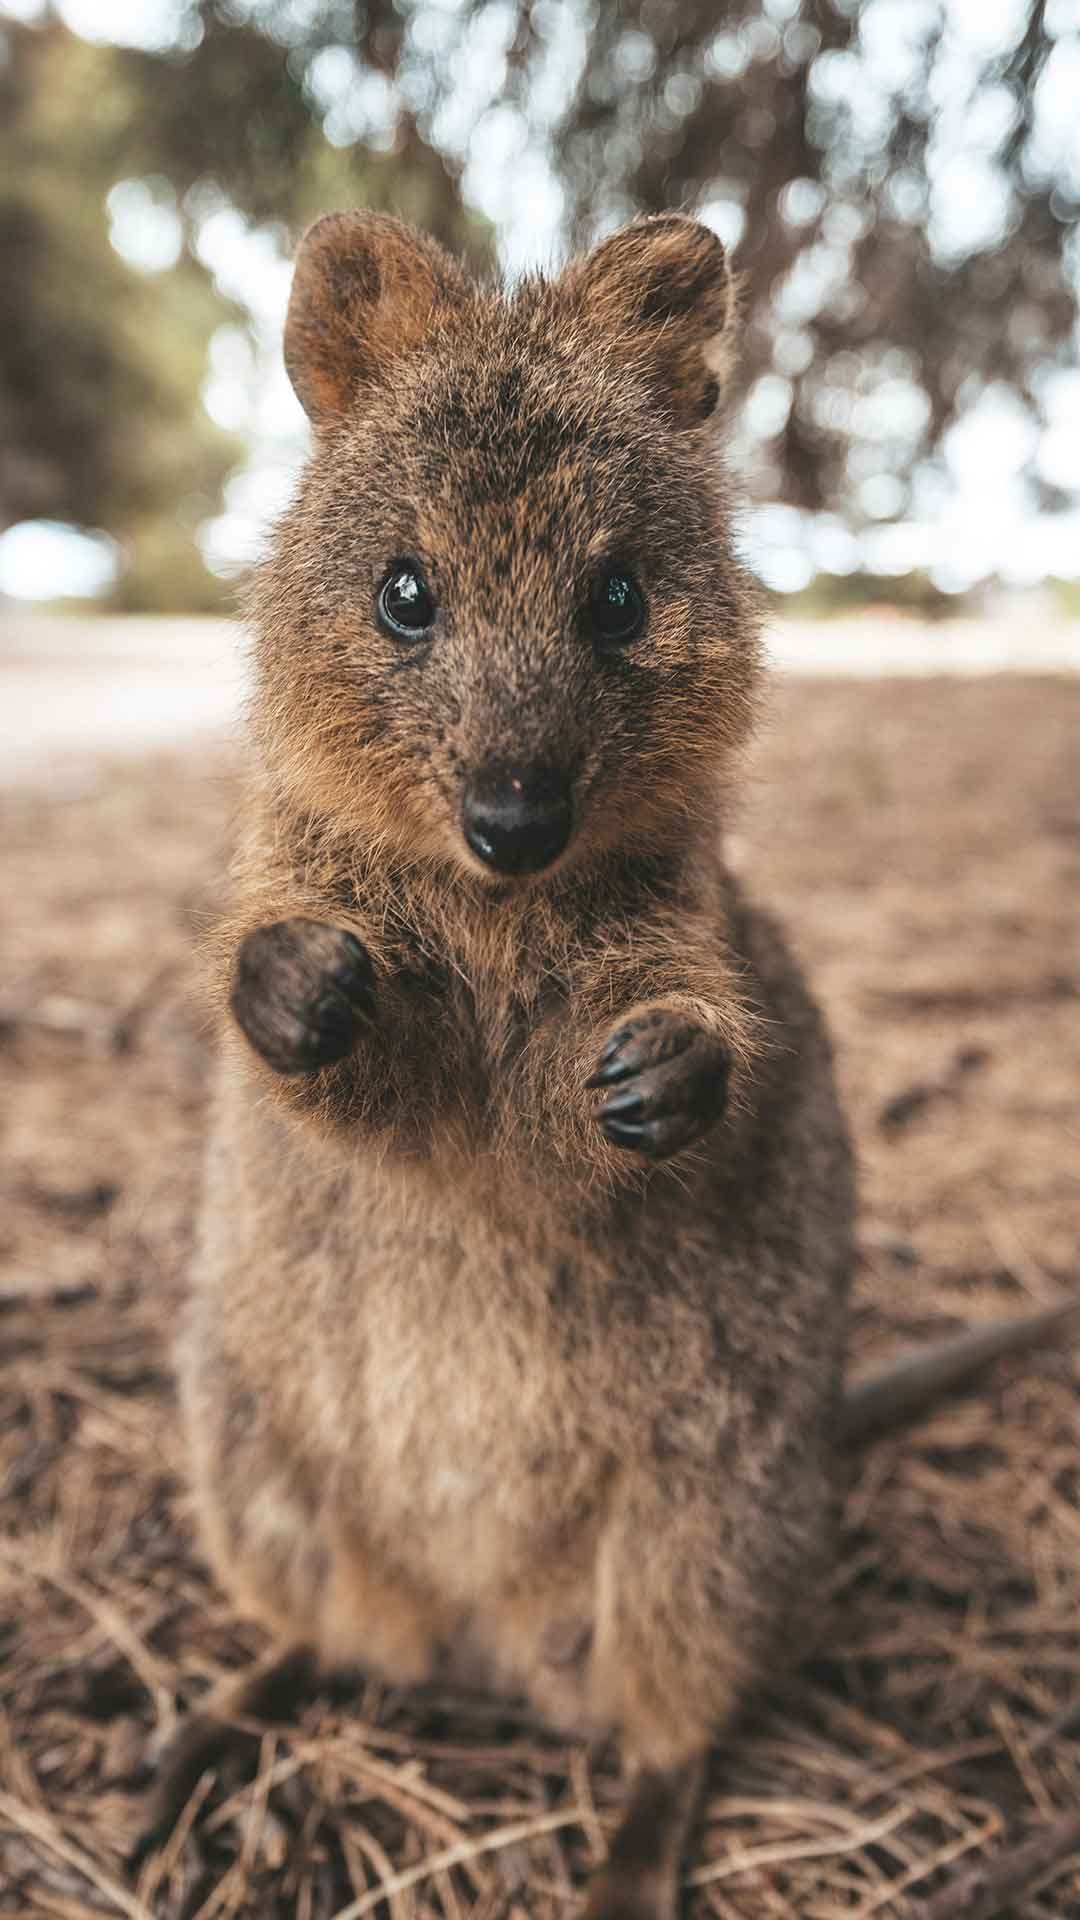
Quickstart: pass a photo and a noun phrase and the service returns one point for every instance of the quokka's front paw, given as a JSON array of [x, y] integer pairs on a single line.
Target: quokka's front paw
[[301, 993], [665, 1082]]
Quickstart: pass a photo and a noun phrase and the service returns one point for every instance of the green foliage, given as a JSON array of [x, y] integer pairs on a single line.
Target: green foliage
[[238, 110], [164, 571], [1066, 597], [835, 596], [100, 366]]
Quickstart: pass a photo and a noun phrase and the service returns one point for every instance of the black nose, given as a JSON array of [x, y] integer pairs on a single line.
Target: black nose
[[517, 820]]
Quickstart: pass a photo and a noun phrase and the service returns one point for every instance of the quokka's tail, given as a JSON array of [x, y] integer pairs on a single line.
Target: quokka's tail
[[899, 1393]]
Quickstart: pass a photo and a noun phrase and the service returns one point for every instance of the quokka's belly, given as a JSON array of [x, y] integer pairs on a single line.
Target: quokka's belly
[[477, 1455], [483, 1488], [468, 1392]]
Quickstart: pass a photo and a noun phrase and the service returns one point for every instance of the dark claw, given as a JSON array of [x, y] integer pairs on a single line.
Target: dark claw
[[617, 1040], [610, 1075], [628, 1105], [625, 1132], [656, 1139]]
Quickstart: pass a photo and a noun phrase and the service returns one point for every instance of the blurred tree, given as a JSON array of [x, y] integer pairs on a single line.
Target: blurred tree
[[901, 210], [905, 213], [243, 101], [100, 366], [893, 176]]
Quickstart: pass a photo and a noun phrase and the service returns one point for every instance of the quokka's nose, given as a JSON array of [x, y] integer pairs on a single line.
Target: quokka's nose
[[517, 820]]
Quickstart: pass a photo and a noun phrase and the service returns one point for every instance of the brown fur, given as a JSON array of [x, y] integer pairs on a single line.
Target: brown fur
[[471, 1388]]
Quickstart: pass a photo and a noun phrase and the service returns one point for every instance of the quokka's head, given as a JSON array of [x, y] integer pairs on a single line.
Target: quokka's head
[[502, 626]]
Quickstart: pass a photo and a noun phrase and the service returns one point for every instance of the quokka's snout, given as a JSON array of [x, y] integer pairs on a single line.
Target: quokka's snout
[[518, 818]]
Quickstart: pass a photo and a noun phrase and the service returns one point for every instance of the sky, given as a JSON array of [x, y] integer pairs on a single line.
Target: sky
[[975, 520]]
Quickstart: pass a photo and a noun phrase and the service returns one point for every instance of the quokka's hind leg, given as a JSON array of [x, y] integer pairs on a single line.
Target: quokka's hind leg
[[272, 1690], [691, 1595], [640, 1878], [353, 1617]]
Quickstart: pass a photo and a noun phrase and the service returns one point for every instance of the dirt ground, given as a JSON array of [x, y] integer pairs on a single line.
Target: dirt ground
[[922, 840]]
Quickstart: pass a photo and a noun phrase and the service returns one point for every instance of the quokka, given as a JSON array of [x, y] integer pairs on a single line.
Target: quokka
[[516, 1343]]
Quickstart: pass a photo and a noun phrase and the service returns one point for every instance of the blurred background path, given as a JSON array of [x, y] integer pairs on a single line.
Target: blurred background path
[[72, 686]]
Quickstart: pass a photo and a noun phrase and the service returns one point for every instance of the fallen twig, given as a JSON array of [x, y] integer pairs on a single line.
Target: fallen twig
[[986, 1889]]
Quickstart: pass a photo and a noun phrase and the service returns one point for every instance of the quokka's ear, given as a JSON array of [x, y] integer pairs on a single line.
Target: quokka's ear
[[662, 291], [366, 290]]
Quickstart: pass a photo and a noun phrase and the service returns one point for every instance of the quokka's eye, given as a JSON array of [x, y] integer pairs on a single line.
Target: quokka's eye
[[616, 609], [405, 605]]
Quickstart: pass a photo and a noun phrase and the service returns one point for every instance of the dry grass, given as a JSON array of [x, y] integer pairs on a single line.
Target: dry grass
[[924, 843]]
